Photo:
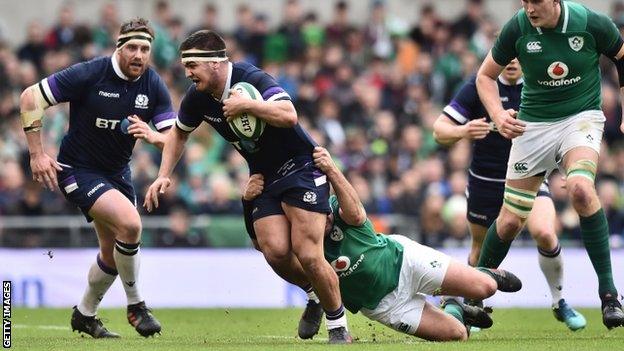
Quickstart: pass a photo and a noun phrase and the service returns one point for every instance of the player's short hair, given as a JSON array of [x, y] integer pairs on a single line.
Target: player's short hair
[[203, 40], [137, 24]]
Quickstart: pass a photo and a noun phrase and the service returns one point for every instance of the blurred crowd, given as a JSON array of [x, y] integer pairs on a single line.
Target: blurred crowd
[[370, 93]]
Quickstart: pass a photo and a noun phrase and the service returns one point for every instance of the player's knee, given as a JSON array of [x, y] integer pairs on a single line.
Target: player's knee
[[543, 235], [130, 230], [488, 287], [310, 262], [454, 332], [508, 225], [276, 257], [581, 193]]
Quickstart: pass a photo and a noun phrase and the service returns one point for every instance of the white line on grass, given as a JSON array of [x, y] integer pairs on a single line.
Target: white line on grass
[[47, 327]]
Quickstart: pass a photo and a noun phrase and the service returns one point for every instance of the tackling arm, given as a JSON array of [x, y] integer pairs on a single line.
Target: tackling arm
[[487, 87], [32, 104], [446, 132]]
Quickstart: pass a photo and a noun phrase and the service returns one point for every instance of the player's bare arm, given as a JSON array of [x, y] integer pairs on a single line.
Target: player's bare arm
[[280, 113], [174, 143], [447, 133], [141, 130], [44, 167], [351, 209], [507, 124]]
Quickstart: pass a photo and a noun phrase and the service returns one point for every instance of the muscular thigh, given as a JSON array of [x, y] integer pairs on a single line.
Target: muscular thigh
[[113, 212], [273, 234]]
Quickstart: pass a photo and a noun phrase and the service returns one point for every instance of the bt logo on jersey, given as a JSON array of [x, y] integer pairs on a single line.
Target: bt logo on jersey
[[106, 123]]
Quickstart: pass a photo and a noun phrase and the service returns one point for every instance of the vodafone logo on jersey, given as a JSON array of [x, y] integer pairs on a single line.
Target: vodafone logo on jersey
[[558, 70], [341, 264]]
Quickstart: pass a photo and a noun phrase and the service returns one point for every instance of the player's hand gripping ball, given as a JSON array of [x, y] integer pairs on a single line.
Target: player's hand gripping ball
[[245, 125]]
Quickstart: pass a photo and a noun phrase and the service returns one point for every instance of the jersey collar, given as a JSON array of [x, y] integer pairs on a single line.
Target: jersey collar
[[564, 19], [228, 82], [118, 71], [508, 83]]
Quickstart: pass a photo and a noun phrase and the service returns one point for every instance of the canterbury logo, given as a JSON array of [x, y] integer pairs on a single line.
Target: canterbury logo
[[130, 284], [520, 167], [534, 46]]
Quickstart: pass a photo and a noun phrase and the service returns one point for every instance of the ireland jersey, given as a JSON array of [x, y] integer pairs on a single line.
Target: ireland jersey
[[560, 65], [368, 264]]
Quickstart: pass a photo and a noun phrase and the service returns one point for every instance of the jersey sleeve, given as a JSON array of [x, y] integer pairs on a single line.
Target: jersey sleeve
[[605, 33], [189, 117], [504, 49], [267, 86], [66, 85], [164, 117], [461, 109]]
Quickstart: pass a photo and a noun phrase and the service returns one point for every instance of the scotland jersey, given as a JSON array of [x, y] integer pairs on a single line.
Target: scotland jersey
[[490, 154], [100, 97], [278, 152]]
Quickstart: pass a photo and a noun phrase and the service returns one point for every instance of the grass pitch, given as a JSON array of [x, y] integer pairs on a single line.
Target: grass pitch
[[276, 329]]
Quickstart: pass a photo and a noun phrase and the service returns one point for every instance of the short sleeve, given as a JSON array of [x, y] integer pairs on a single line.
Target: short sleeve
[[189, 117], [66, 85], [504, 49], [267, 86], [164, 117], [462, 108], [605, 33]]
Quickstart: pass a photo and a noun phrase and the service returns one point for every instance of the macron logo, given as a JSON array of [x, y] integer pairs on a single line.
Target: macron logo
[[108, 95], [95, 188]]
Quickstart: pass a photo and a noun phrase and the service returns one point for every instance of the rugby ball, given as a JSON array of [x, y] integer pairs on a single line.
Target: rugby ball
[[247, 126]]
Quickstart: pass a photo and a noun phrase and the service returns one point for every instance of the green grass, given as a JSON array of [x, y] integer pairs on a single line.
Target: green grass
[[275, 329]]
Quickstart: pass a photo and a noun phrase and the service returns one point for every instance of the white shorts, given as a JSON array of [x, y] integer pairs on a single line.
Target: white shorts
[[541, 148], [422, 273]]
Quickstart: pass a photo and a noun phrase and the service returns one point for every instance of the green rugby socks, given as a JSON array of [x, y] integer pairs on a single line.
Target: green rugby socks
[[595, 232], [494, 249]]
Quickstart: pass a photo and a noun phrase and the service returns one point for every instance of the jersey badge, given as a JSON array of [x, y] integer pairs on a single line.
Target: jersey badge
[[141, 101], [336, 234], [534, 47], [309, 197], [576, 42]]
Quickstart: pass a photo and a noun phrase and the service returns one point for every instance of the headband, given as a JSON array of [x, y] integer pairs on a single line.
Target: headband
[[136, 36], [203, 55]]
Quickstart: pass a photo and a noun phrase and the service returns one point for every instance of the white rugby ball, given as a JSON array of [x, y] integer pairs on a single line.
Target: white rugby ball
[[247, 126]]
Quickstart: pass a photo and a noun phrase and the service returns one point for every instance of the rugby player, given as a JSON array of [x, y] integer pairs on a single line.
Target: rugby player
[[111, 100], [387, 277], [559, 124], [289, 217], [465, 118]]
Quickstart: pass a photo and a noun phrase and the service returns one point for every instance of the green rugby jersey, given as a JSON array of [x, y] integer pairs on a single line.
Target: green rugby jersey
[[560, 65], [368, 264]]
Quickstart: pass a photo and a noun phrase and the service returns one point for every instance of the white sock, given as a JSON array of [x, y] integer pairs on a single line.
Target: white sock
[[336, 319], [311, 294], [551, 264], [100, 279], [128, 262]]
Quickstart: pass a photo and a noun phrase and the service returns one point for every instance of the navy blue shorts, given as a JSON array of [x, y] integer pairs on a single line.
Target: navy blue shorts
[[485, 199], [82, 187], [307, 189]]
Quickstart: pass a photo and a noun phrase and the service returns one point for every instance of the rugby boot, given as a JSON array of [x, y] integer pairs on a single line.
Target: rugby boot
[[506, 281], [566, 314], [473, 316], [90, 325], [141, 318], [612, 314], [310, 321], [339, 335]]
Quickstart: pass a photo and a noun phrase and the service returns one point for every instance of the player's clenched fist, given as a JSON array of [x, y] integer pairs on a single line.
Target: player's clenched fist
[[254, 187], [159, 186], [507, 124], [323, 160]]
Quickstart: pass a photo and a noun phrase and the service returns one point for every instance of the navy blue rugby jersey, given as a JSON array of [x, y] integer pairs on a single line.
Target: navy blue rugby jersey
[[490, 154], [100, 96], [278, 152]]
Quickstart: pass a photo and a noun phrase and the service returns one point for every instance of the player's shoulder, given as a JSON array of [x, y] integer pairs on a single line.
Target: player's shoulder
[[469, 87], [242, 68], [96, 65]]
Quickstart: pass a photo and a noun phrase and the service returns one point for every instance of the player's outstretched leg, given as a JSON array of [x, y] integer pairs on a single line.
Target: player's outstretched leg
[[90, 325], [541, 225], [310, 321]]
